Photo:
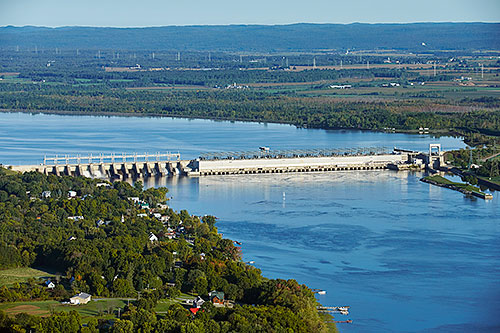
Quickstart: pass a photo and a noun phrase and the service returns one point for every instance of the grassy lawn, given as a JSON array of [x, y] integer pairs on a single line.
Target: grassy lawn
[[22, 274], [442, 180], [492, 179], [86, 311], [164, 304]]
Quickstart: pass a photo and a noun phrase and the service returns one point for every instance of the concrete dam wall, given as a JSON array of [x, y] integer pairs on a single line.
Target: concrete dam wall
[[216, 166], [299, 164]]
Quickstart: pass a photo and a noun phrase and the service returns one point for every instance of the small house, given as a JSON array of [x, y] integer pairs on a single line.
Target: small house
[[216, 297], [142, 215], [144, 205], [134, 199], [157, 215], [72, 238], [102, 184], [71, 194], [170, 233], [198, 302], [100, 223], [46, 194], [81, 298], [152, 237], [49, 284], [75, 218]]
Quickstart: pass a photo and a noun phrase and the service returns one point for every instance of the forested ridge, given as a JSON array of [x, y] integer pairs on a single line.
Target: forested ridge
[[100, 241], [303, 36]]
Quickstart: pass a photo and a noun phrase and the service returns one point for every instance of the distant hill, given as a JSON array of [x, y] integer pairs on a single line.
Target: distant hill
[[264, 38]]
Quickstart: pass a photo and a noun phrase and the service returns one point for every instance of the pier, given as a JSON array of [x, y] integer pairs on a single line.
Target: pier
[[263, 161]]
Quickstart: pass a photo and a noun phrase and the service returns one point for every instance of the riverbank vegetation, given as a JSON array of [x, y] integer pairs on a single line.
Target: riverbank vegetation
[[120, 241]]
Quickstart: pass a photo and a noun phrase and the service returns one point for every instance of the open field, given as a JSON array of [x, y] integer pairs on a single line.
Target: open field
[[176, 87], [103, 308], [17, 275], [370, 66]]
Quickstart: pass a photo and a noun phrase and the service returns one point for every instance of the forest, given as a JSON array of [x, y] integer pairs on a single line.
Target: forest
[[100, 241]]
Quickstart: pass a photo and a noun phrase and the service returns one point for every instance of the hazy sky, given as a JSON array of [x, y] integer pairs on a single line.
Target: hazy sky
[[125, 13]]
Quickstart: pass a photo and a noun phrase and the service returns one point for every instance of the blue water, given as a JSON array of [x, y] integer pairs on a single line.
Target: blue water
[[26, 138], [405, 255]]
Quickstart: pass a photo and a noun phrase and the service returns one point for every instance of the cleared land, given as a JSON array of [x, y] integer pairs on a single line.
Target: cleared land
[[104, 308], [22, 274]]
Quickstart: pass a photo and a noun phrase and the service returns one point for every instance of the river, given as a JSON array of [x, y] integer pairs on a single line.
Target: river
[[405, 255]]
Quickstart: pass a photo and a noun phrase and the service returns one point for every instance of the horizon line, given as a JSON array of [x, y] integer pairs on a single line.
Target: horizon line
[[246, 24]]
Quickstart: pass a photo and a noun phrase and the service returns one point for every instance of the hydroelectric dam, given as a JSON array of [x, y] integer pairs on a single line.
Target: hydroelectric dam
[[136, 166]]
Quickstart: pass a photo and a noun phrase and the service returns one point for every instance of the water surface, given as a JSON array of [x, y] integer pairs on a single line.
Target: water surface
[[405, 255]]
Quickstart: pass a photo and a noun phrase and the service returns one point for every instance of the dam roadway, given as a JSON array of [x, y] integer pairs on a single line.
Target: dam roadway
[[135, 166]]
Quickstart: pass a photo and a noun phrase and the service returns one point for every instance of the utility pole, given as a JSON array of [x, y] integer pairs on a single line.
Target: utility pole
[[435, 72]]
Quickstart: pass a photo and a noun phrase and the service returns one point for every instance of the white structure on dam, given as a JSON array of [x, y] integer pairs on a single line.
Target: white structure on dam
[[295, 164]]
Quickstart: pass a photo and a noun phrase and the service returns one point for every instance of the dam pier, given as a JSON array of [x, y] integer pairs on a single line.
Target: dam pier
[[263, 161]]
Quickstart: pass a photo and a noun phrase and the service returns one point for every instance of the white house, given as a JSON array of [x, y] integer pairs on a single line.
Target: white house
[[81, 298], [49, 284], [46, 194], [152, 237], [71, 194]]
